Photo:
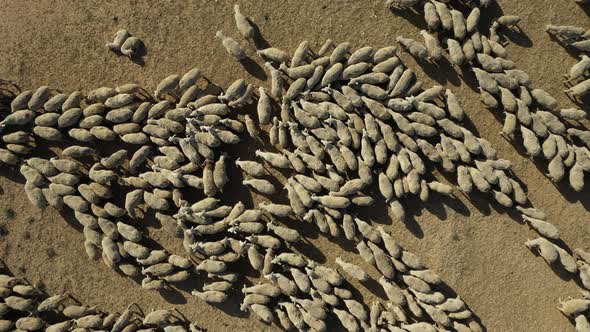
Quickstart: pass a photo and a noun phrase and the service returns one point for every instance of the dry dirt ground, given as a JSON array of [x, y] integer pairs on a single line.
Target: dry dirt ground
[[476, 247]]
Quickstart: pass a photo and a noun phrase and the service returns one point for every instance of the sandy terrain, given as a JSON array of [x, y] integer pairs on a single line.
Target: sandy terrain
[[476, 247]]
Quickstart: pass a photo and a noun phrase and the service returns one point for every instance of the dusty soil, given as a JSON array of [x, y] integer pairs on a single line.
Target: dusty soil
[[476, 246]]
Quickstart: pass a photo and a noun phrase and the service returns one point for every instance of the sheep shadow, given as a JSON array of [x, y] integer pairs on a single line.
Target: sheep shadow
[[254, 68]]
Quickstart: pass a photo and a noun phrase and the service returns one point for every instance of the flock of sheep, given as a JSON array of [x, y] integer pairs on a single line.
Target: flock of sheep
[[345, 127], [545, 129], [31, 310]]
